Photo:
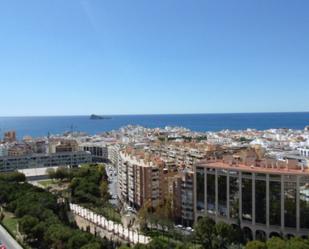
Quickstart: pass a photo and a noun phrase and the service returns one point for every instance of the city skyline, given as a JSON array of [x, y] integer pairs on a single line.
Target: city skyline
[[154, 124], [83, 57]]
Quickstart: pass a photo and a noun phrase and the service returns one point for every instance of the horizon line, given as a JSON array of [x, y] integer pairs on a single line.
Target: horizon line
[[150, 114]]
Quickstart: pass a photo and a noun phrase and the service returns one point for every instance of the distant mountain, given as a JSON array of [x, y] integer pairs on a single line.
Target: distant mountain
[[96, 117]]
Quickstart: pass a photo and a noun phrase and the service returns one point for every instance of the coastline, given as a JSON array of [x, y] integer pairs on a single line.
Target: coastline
[[42, 125]]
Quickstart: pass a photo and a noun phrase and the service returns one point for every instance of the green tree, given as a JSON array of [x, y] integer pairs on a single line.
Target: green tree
[[43, 221], [236, 246], [39, 230], [13, 177], [275, 243], [104, 191], [57, 236], [156, 243], [94, 245], [1, 214], [255, 244], [205, 232], [27, 225], [224, 235], [297, 243], [126, 247], [143, 215], [164, 210], [62, 173], [78, 240], [182, 246], [51, 173]]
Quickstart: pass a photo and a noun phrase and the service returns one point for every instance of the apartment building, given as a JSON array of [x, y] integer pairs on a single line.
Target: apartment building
[[9, 163], [66, 146], [145, 179], [174, 188], [265, 196], [138, 179], [187, 199], [113, 153], [4, 150], [19, 149], [179, 155], [98, 150], [9, 136]]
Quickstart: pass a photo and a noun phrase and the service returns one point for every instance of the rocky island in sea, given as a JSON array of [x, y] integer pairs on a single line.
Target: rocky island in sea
[[96, 117]]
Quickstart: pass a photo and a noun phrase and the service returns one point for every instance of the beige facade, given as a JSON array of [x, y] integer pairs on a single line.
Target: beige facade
[[9, 136], [138, 181]]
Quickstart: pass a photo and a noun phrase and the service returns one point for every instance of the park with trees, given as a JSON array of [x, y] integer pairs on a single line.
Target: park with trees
[[42, 219], [87, 186]]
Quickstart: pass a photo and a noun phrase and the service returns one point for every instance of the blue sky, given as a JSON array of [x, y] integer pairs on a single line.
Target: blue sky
[[165, 56]]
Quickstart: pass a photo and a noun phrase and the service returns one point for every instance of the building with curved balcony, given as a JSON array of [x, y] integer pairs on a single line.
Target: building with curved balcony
[[265, 197]]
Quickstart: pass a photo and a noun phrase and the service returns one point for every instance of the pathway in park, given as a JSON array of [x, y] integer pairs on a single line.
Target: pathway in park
[[106, 228]]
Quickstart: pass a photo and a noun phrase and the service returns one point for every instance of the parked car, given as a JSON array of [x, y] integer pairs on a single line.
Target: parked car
[[179, 226]]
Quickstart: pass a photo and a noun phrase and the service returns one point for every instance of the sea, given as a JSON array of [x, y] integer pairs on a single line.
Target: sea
[[41, 126]]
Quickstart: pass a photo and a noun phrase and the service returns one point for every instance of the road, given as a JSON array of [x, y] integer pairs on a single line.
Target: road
[[8, 240], [112, 177]]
